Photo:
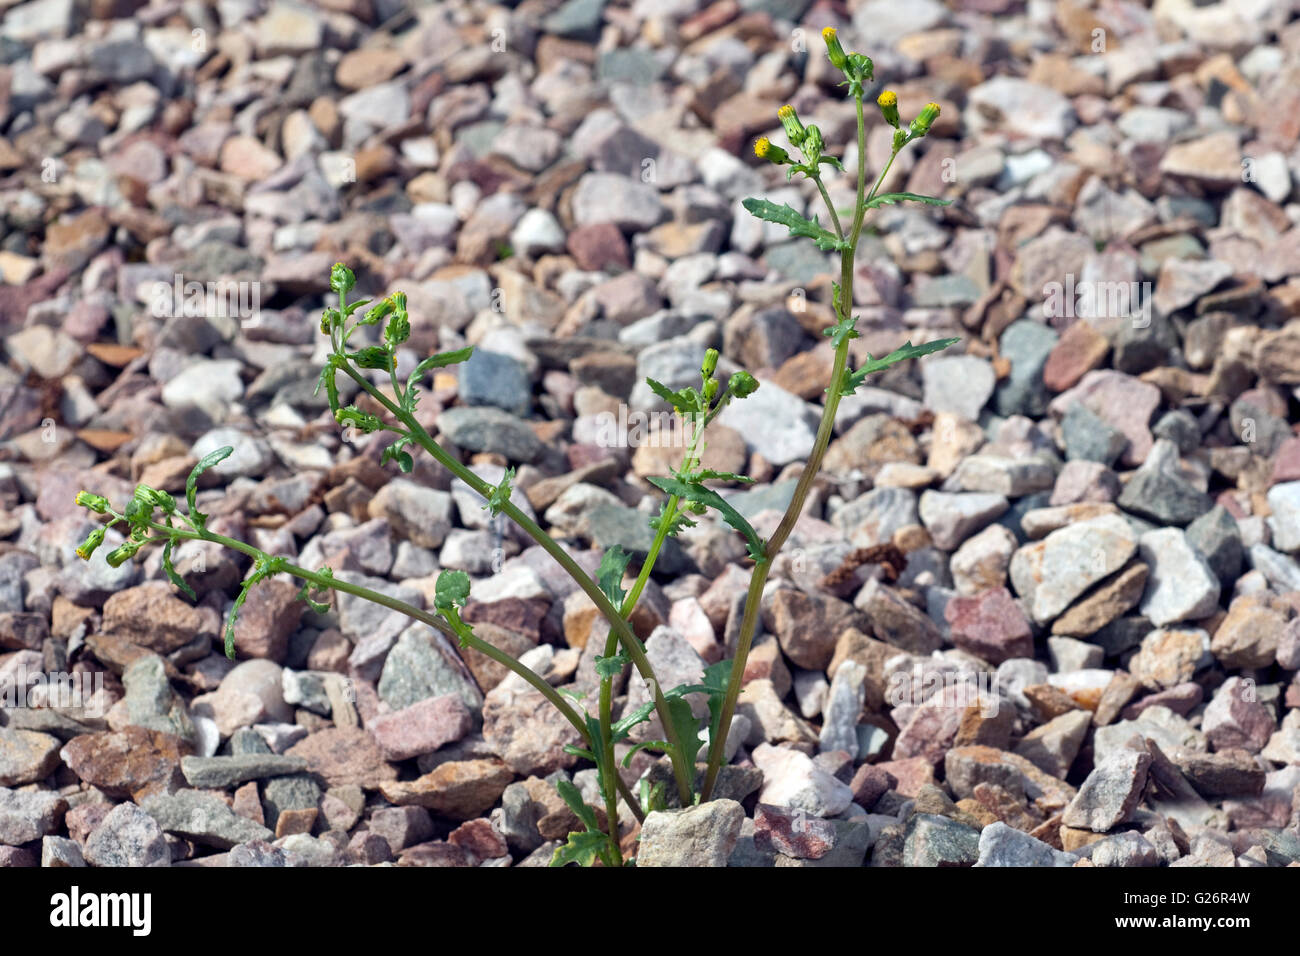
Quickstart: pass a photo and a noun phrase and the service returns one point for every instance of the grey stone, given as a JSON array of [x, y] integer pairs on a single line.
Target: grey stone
[[490, 378], [1110, 793], [961, 384], [1089, 438], [129, 836], [419, 667], [222, 773], [1001, 845], [932, 840], [27, 815], [1026, 344], [1217, 538], [484, 429], [1156, 490], [203, 818], [698, 836], [1181, 586]]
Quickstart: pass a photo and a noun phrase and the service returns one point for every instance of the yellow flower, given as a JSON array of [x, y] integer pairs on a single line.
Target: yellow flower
[[794, 129], [834, 51], [888, 103], [765, 149]]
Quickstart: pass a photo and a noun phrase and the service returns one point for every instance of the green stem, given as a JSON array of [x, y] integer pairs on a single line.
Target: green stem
[[825, 428], [322, 582], [617, 625]]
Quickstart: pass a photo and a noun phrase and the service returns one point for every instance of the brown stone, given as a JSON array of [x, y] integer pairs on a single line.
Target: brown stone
[[461, 789], [131, 763]]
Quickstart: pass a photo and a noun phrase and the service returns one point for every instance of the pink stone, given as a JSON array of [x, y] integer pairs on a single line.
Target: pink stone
[[480, 838], [421, 728], [795, 833], [1120, 400], [990, 625]]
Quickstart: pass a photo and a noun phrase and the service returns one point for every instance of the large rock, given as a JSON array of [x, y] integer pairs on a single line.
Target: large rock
[[697, 836]]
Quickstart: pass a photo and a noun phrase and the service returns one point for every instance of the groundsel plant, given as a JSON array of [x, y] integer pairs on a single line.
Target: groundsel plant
[[154, 517]]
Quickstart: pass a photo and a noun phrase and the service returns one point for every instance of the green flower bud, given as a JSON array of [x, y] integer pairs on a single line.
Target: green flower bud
[[900, 139], [341, 278], [93, 541], [328, 319], [119, 556], [834, 52], [921, 125], [742, 384], [888, 103], [376, 356], [95, 503], [710, 364], [794, 129]]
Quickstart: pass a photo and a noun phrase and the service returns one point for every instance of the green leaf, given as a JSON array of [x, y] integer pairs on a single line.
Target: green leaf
[[906, 351], [500, 494], [609, 576], [889, 199], [610, 667], [712, 499], [687, 401], [687, 727], [716, 679], [451, 590], [845, 328], [581, 848], [192, 482], [572, 796], [579, 752], [354, 306], [799, 226], [679, 521], [395, 453], [170, 570], [305, 593], [441, 360], [661, 745], [622, 728], [708, 474]]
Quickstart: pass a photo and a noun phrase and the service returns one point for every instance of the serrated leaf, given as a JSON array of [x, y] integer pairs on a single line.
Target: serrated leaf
[[451, 590], [441, 360], [609, 576], [890, 199], [716, 679], [170, 570], [500, 495], [799, 226], [906, 351], [234, 615], [708, 474], [572, 796], [712, 499], [687, 727], [622, 728], [610, 667], [679, 521], [581, 848], [686, 401], [192, 482]]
